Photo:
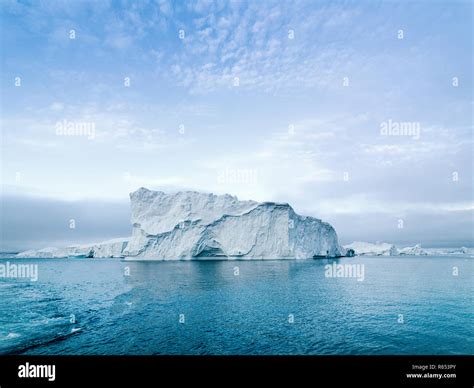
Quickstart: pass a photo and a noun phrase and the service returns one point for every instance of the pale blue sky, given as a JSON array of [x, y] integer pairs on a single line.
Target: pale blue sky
[[294, 125]]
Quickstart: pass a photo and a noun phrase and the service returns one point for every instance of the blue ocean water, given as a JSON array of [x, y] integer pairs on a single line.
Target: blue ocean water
[[404, 305]]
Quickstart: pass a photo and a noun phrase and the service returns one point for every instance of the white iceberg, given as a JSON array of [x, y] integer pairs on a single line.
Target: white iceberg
[[416, 250], [109, 248], [377, 249], [385, 249], [192, 225], [450, 251]]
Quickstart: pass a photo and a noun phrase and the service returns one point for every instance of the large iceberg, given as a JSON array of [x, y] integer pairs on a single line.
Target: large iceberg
[[193, 225]]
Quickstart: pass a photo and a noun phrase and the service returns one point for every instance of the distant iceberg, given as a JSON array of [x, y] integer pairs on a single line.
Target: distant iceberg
[[450, 251], [417, 250], [386, 249], [192, 225], [110, 248], [377, 249]]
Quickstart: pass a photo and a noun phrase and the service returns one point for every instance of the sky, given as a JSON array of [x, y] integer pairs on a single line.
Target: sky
[[358, 113]]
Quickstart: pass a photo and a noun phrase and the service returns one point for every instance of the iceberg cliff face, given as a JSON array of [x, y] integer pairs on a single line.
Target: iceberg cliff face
[[192, 225]]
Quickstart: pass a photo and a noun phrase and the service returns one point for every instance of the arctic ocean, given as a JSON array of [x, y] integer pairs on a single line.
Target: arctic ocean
[[404, 305]]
